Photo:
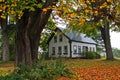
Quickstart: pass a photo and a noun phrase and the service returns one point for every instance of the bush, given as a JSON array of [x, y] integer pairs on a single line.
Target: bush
[[92, 55], [41, 71], [12, 77]]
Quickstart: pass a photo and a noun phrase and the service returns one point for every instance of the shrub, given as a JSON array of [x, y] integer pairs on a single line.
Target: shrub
[[41, 71], [12, 77], [49, 71], [92, 55]]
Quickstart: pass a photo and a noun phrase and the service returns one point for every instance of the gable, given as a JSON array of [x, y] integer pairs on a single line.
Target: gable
[[79, 37], [73, 36], [57, 32]]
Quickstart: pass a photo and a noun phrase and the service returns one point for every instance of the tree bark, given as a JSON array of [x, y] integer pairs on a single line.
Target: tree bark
[[106, 38], [28, 31], [5, 40]]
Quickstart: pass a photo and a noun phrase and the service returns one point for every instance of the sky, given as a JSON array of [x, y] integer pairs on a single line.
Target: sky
[[115, 39]]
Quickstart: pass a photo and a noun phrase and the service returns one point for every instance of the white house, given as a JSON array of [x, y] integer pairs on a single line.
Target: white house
[[69, 44]]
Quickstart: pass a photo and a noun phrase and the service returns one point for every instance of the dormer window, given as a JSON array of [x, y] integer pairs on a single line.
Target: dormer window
[[60, 38], [55, 39]]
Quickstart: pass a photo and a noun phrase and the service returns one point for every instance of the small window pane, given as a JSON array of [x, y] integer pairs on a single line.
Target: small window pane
[[79, 49], [53, 50], [59, 50], [74, 49], [85, 49], [55, 39], [65, 50], [60, 38]]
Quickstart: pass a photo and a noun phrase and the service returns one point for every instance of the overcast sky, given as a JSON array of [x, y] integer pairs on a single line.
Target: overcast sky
[[115, 39]]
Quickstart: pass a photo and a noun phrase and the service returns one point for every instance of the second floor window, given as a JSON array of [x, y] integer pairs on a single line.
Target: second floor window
[[55, 39], [53, 50], [60, 38]]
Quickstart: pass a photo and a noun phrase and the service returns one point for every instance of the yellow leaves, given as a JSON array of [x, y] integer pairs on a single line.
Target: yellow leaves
[[72, 15], [109, 0], [0, 10], [64, 8], [93, 1], [84, 5], [14, 4], [3, 16], [59, 13], [104, 5], [1, 0], [96, 13], [44, 9], [87, 1], [81, 20], [87, 11], [81, 2], [20, 14]]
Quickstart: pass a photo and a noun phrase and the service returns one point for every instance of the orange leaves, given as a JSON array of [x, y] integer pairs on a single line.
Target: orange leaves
[[81, 1], [96, 13], [87, 11], [2, 8], [1, 0], [94, 70], [109, 0], [81, 20], [44, 9]]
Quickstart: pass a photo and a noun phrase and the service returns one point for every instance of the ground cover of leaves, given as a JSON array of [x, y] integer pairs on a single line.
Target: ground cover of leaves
[[6, 68], [93, 69], [84, 69]]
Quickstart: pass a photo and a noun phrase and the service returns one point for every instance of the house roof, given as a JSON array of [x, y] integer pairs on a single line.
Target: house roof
[[79, 37], [74, 36]]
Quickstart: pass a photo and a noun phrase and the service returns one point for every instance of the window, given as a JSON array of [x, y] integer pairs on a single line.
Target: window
[[85, 49], [53, 50], [65, 50], [74, 49], [59, 50], [90, 49], [55, 39], [79, 49], [93, 49], [60, 38]]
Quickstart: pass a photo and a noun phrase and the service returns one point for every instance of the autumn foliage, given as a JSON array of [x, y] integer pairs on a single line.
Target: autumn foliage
[[82, 69], [93, 70]]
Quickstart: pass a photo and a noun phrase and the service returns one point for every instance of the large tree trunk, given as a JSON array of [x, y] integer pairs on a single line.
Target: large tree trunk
[[5, 40], [29, 28], [106, 37]]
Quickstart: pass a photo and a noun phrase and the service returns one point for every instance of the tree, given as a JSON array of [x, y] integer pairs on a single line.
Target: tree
[[31, 17], [28, 32], [4, 25], [90, 15]]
